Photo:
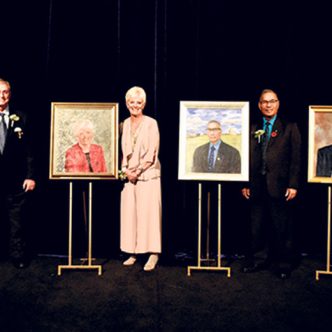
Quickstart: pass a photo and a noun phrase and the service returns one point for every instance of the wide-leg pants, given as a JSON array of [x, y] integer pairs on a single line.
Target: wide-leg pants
[[141, 217]]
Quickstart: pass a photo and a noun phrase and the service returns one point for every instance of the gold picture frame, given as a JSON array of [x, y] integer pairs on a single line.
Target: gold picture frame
[[67, 158], [194, 118], [320, 144]]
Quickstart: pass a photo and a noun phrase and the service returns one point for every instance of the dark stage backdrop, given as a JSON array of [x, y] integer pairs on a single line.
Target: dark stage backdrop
[[83, 51]]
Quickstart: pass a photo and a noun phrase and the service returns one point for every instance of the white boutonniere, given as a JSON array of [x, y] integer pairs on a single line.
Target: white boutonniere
[[13, 118], [258, 134], [19, 132]]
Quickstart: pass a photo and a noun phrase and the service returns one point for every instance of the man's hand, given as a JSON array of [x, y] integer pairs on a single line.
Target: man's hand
[[29, 185], [246, 193], [290, 194]]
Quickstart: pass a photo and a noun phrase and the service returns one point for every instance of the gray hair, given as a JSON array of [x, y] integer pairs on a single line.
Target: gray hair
[[6, 82], [214, 121], [267, 91], [82, 124]]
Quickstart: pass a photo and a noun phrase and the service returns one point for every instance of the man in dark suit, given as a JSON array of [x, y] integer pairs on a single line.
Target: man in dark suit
[[324, 161], [275, 153], [16, 176], [216, 156]]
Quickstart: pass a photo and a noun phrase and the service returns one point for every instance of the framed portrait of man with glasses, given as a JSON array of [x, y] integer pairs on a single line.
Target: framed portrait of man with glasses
[[214, 141]]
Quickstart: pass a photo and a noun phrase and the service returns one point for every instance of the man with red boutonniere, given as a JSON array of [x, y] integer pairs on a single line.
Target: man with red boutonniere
[[16, 179], [275, 159]]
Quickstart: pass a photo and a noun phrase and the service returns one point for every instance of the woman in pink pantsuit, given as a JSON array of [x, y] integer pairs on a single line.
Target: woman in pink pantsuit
[[141, 195]]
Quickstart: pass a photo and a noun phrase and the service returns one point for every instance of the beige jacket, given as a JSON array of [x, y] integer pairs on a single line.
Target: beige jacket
[[145, 149]]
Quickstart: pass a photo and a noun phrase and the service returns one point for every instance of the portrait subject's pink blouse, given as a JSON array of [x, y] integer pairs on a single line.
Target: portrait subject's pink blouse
[[76, 160]]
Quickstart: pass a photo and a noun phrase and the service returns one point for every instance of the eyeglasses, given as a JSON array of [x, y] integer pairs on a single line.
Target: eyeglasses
[[266, 102], [213, 129]]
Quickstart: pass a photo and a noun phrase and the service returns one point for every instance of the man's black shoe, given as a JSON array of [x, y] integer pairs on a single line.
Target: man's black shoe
[[21, 263], [283, 274]]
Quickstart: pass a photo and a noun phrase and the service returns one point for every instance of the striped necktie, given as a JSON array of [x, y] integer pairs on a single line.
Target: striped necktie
[[211, 158], [3, 132]]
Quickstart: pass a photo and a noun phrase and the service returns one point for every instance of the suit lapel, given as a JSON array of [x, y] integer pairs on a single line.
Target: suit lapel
[[10, 129], [276, 132], [219, 154], [205, 161]]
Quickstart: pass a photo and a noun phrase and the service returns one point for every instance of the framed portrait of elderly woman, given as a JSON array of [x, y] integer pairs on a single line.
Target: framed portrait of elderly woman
[[320, 144], [84, 141], [214, 141]]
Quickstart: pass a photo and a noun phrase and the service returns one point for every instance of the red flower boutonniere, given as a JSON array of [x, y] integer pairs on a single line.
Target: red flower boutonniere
[[274, 133]]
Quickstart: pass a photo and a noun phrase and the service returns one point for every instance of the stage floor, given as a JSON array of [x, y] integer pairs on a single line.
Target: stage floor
[[128, 299]]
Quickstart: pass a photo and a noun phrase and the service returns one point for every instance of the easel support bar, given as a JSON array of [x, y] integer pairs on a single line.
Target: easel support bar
[[328, 246], [70, 237], [199, 265]]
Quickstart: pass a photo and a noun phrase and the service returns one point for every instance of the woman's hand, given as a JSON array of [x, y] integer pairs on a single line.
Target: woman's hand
[[132, 175]]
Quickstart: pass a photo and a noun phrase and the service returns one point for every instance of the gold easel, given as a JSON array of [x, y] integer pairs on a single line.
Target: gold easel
[[70, 265], [207, 258], [199, 259], [328, 249]]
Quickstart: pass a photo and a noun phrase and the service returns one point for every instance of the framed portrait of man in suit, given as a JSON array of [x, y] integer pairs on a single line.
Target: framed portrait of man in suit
[[84, 141], [320, 144], [214, 141]]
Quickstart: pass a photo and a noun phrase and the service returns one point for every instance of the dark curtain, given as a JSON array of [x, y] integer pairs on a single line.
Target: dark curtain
[[83, 51]]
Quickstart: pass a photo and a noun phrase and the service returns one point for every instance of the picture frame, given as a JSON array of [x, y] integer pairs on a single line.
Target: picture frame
[[233, 117], [84, 141], [320, 144]]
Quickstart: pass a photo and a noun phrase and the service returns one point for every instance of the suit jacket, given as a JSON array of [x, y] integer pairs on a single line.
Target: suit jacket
[[228, 159], [283, 159], [16, 162], [324, 161], [76, 160]]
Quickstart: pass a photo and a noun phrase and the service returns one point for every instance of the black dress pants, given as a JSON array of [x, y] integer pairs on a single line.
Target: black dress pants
[[271, 229], [13, 224]]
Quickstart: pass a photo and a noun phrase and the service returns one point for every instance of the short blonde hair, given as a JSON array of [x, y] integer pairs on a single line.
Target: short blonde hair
[[136, 91]]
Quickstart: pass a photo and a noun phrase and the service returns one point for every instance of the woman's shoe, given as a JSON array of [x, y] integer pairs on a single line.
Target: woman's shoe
[[130, 261], [151, 263]]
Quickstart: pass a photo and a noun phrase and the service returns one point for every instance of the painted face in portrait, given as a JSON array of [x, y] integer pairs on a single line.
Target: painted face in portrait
[[84, 133], [4, 94], [214, 132], [269, 104], [85, 137]]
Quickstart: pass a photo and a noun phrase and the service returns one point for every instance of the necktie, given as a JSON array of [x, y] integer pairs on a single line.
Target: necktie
[[264, 146], [211, 158], [267, 130], [3, 132]]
